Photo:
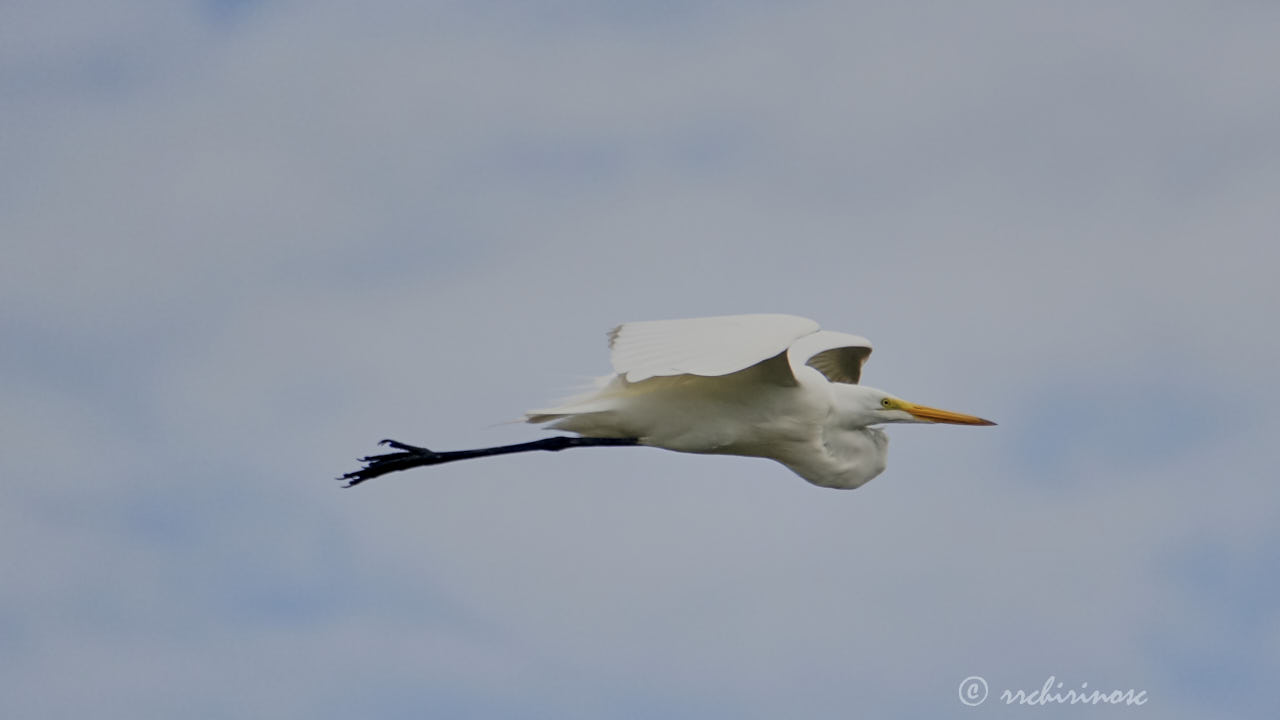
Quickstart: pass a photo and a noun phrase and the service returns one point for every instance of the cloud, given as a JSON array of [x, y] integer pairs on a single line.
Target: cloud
[[249, 240]]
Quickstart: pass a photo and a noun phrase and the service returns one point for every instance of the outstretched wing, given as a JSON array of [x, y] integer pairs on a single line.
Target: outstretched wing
[[709, 346], [770, 348], [837, 355]]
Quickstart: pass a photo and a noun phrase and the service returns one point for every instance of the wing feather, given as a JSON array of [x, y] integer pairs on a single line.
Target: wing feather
[[709, 346], [839, 356]]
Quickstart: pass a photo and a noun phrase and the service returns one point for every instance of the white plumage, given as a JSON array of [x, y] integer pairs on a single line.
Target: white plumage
[[772, 386]]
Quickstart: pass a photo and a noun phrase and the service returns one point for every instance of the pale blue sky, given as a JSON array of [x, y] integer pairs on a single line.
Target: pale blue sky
[[245, 240]]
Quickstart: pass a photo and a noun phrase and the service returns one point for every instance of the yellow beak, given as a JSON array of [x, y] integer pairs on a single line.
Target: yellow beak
[[925, 412]]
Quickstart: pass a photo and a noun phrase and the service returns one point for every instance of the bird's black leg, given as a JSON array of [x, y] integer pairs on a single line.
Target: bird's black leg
[[412, 456]]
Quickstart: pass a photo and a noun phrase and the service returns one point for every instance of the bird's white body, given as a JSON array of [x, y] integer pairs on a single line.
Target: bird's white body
[[772, 386]]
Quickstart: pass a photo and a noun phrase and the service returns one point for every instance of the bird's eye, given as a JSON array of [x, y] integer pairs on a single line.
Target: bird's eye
[[885, 402]]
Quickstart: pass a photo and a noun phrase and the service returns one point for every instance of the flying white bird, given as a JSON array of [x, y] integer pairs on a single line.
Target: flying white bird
[[771, 386]]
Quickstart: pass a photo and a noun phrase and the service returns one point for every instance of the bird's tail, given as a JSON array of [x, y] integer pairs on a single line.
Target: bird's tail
[[601, 396]]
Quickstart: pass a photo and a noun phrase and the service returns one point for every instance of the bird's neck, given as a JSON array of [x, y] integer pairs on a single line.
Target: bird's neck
[[847, 459]]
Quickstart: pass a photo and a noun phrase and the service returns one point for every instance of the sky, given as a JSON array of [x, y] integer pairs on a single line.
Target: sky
[[246, 239]]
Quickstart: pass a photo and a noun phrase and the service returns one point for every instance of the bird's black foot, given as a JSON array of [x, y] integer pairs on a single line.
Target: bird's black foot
[[410, 456]]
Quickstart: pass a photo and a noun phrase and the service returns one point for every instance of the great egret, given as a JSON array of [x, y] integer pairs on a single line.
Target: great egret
[[772, 386]]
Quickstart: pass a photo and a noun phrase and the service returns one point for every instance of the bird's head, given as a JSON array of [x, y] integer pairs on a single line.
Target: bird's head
[[869, 406]]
